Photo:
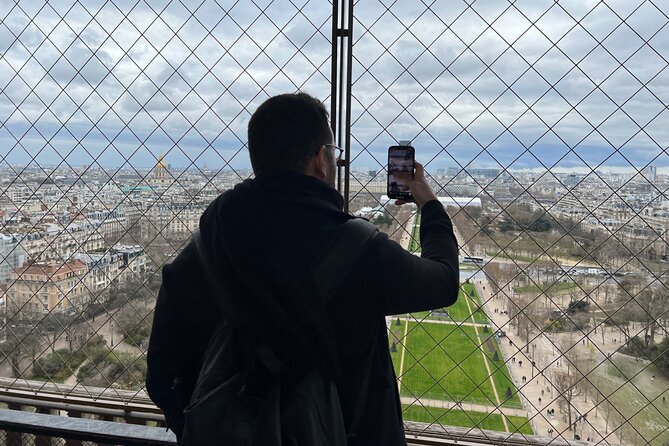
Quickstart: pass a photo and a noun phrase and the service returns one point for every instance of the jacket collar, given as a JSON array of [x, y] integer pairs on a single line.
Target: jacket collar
[[294, 187]]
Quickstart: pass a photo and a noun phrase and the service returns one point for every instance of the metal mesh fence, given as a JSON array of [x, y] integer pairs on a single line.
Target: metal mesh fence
[[120, 122], [542, 126]]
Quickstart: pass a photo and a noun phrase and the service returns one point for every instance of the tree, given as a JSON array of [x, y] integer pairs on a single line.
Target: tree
[[652, 305], [135, 323], [525, 312], [662, 356], [566, 385], [20, 339], [627, 309], [78, 332], [53, 325]]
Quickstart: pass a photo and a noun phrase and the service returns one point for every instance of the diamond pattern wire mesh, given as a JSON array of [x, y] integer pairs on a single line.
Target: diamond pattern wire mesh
[[119, 123], [553, 115], [122, 121]]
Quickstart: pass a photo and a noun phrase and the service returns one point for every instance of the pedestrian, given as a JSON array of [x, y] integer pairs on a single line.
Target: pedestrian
[[270, 241], [520, 363], [539, 400], [513, 360], [542, 392]]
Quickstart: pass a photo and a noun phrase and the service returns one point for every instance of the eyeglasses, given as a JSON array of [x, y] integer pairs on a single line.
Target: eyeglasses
[[338, 149]]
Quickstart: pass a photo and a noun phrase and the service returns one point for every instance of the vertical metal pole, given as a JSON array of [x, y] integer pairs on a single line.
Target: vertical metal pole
[[349, 73], [333, 68], [340, 97], [340, 114]]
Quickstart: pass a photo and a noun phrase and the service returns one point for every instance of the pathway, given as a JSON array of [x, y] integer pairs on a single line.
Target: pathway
[[445, 404]]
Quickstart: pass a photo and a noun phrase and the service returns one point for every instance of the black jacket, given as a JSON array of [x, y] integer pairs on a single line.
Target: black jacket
[[387, 280]]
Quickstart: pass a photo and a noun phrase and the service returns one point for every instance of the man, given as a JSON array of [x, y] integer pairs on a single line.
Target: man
[[293, 198]]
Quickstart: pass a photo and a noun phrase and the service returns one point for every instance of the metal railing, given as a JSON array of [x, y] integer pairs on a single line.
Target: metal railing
[[542, 126]]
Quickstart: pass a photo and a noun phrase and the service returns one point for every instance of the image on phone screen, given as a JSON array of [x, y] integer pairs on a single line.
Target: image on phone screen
[[401, 163]]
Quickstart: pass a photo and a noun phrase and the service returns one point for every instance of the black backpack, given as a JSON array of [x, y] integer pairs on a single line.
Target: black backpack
[[243, 395]]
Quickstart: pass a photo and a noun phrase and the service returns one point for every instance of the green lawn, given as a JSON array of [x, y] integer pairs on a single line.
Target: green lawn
[[459, 311], [465, 418], [414, 244], [443, 362], [395, 336], [633, 396], [501, 375], [511, 256], [552, 286]]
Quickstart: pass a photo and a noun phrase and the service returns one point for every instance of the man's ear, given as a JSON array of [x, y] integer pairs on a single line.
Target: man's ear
[[318, 165]]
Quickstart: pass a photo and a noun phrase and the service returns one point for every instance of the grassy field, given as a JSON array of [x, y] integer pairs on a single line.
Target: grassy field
[[465, 418], [510, 256], [501, 376], [414, 243], [634, 396], [395, 337], [459, 311], [444, 362], [553, 286]]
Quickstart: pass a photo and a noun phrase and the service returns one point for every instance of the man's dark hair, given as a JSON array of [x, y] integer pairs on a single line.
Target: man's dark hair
[[286, 131]]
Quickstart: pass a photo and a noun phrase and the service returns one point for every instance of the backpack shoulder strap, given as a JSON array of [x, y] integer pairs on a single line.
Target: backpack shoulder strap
[[349, 243], [341, 255], [212, 279], [266, 355]]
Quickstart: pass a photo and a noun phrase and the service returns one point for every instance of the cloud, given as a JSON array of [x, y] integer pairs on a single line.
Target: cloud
[[488, 83]]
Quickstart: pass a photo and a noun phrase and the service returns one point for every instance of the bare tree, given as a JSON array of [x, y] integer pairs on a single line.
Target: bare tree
[[567, 386], [524, 312], [78, 332], [493, 271], [20, 339], [53, 325], [652, 305]]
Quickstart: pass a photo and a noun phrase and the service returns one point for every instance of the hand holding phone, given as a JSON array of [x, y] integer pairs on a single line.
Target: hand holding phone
[[401, 165], [420, 188]]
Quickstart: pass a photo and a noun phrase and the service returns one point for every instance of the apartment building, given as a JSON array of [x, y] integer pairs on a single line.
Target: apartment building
[[12, 256], [171, 218], [117, 265], [54, 242], [52, 286]]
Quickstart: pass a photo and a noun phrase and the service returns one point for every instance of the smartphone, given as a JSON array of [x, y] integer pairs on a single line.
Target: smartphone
[[401, 165]]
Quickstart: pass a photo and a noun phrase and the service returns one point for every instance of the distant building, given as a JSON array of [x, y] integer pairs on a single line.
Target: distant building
[[459, 190], [54, 242], [462, 173], [160, 177], [650, 172], [12, 256], [42, 287], [446, 201], [117, 265]]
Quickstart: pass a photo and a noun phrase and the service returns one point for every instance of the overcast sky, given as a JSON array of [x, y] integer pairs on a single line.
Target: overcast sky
[[580, 84]]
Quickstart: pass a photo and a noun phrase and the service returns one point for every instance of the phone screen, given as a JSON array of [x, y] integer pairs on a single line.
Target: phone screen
[[401, 164]]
